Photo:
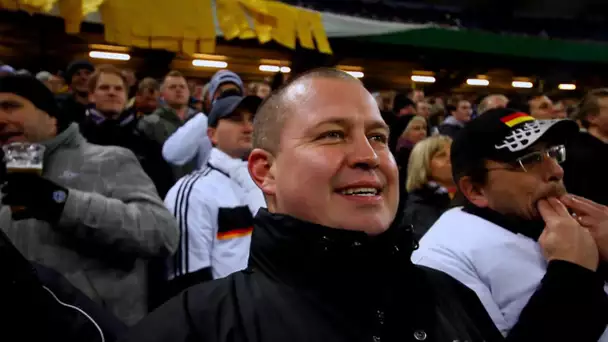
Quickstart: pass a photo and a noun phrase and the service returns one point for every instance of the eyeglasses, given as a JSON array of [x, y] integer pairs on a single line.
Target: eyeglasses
[[534, 159]]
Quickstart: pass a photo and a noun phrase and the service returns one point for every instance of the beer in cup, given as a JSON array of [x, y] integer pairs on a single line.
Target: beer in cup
[[23, 158]]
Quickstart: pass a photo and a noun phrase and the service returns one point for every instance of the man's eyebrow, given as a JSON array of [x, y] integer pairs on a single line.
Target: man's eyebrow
[[379, 125], [371, 125]]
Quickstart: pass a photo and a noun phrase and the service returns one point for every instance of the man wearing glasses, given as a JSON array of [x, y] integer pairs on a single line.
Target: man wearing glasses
[[515, 242]]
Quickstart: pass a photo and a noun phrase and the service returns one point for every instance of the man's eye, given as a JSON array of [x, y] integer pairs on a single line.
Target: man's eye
[[380, 138], [332, 135], [532, 158]]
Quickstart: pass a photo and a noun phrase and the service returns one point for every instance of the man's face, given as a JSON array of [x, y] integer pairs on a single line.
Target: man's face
[[21, 121], [147, 100], [233, 135], [541, 108], [423, 109], [463, 112], [110, 94], [510, 190], [334, 167], [600, 121], [80, 80], [417, 96], [559, 111], [263, 91], [175, 91]]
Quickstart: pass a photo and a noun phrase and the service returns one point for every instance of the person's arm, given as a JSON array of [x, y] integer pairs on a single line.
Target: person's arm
[[131, 218], [153, 128], [569, 305], [183, 145], [196, 214]]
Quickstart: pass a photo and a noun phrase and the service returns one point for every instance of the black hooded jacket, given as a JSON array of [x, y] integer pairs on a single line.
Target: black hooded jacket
[[306, 282]]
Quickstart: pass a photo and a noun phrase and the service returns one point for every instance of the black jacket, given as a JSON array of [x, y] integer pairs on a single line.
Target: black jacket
[[73, 110], [423, 208], [449, 130], [586, 168], [123, 132], [38, 304], [306, 282]]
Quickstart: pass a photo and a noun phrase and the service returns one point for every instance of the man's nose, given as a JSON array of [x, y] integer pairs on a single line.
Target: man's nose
[[248, 126], [362, 154], [553, 171]]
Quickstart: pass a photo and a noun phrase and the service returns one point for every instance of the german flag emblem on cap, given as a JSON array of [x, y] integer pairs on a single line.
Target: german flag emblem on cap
[[516, 118]]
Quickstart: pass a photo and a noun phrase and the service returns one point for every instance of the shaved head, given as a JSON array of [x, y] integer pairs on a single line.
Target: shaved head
[[270, 117]]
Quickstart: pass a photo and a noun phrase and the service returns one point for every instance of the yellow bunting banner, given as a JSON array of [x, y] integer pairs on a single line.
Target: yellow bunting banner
[[188, 26]]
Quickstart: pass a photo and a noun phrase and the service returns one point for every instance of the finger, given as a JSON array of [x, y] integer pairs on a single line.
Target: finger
[[546, 210], [559, 208], [588, 222], [584, 200], [583, 206]]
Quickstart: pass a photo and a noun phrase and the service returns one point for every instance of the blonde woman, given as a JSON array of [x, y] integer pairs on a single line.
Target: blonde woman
[[429, 184]]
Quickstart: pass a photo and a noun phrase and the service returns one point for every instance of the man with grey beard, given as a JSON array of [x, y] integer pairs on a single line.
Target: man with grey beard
[[515, 236]]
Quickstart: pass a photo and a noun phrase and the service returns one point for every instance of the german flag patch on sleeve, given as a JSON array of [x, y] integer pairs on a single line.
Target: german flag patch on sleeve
[[234, 223]]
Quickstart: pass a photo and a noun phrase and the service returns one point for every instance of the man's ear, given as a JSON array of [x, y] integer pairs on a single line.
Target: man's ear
[[473, 192], [211, 135], [262, 170]]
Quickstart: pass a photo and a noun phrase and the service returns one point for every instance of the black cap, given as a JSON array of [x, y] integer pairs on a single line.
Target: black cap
[[224, 107], [75, 67], [30, 88], [504, 135]]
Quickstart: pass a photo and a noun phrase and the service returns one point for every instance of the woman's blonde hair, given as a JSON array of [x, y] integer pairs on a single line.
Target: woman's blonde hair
[[419, 164], [415, 119]]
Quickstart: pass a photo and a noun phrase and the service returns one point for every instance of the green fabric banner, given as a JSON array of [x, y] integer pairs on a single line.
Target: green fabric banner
[[492, 43]]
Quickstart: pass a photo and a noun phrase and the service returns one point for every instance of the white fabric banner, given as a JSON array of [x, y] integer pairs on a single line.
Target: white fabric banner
[[337, 25]]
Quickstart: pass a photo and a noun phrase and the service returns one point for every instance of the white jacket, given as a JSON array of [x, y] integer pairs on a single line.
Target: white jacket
[[214, 208], [188, 142], [503, 268]]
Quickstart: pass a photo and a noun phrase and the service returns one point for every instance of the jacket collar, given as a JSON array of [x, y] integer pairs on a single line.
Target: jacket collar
[[98, 118], [516, 225], [220, 160], [69, 137], [299, 252]]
